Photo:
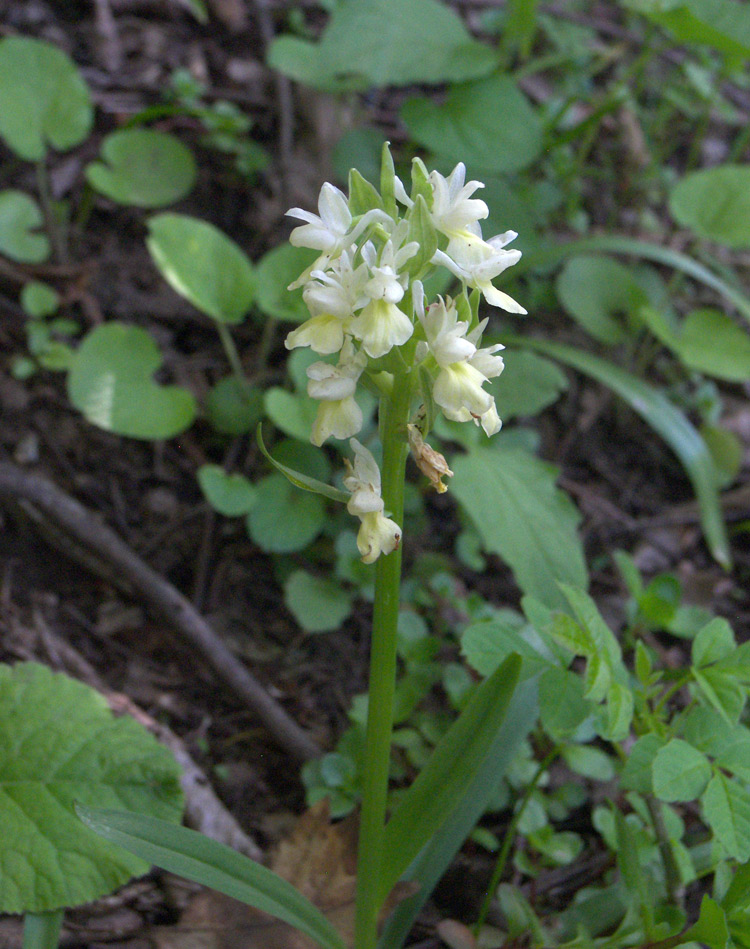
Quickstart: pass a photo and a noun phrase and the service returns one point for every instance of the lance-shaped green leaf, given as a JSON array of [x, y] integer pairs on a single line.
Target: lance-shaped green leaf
[[443, 782], [299, 480], [667, 420], [434, 859], [44, 100], [363, 196], [626, 245], [205, 861]]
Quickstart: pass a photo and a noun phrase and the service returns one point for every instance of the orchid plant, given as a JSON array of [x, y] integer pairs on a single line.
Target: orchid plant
[[367, 301], [368, 308]]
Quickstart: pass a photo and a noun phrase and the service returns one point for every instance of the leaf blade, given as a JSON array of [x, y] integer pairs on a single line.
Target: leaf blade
[[206, 861]]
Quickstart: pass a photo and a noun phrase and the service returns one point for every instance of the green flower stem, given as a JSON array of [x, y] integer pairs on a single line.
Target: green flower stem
[[394, 414], [231, 353]]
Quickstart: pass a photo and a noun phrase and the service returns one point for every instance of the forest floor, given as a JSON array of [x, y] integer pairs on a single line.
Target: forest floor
[[72, 611]]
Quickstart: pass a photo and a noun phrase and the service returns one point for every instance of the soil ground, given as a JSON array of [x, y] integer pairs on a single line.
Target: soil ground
[[631, 492]]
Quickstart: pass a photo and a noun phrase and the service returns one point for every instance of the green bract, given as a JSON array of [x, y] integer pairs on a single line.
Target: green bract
[[60, 745], [144, 168], [44, 101], [111, 382]]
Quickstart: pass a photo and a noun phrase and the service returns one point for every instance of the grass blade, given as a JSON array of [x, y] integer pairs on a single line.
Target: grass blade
[[667, 420], [198, 858]]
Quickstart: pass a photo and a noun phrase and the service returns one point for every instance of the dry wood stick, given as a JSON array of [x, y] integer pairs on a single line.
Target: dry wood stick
[[84, 527]]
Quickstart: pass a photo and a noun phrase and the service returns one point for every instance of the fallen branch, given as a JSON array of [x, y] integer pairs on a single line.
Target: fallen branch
[[84, 527]]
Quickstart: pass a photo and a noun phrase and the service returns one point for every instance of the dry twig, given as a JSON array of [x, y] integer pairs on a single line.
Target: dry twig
[[84, 527]]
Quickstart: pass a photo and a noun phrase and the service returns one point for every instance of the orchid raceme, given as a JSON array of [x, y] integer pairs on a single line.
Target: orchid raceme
[[365, 296]]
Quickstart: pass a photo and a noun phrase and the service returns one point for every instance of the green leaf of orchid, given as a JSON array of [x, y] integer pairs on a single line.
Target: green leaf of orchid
[[299, 480]]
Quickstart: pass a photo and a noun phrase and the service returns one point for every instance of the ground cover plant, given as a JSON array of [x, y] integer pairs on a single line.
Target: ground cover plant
[[554, 717]]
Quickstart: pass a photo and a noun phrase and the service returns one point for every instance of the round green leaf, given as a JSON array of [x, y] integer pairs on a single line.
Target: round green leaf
[[60, 744], [284, 519], [44, 99], [203, 265], [233, 408], [715, 203], [292, 412], [39, 300], [527, 385], [712, 343], [111, 382], [144, 168], [680, 772], [319, 605], [20, 217], [598, 292], [488, 124], [229, 494], [274, 272]]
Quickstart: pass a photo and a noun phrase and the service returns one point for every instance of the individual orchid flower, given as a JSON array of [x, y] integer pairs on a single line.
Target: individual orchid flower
[[380, 327], [386, 282], [454, 213], [339, 415], [478, 262], [378, 534], [458, 388], [332, 296], [330, 231]]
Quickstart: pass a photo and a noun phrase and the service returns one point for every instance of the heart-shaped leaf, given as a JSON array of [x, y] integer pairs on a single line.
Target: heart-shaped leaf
[[600, 294], [60, 744], [111, 382], [229, 494], [318, 604], [343, 59], [144, 168], [203, 265], [44, 99], [488, 124], [19, 219]]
